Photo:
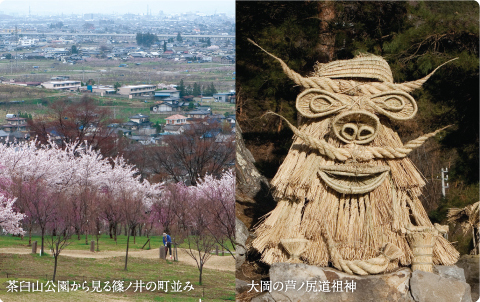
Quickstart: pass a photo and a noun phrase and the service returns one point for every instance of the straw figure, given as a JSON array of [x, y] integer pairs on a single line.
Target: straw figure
[[469, 219], [346, 192]]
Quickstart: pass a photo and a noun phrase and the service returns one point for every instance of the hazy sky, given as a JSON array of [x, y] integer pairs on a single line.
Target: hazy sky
[[49, 7]]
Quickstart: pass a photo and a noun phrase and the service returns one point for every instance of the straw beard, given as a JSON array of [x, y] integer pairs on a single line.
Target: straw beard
[[359, 224]]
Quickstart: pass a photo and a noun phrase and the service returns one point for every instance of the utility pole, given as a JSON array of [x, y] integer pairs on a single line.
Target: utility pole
[[444, 179]]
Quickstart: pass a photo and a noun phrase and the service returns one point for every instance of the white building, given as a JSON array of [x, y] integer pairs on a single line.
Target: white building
[[137, 90], [62, 85]]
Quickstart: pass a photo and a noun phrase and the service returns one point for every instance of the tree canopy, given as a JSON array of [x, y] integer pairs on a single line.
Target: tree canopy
[[146, 39]]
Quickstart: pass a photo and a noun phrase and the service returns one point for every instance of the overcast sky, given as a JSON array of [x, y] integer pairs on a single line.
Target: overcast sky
[[52, 7]]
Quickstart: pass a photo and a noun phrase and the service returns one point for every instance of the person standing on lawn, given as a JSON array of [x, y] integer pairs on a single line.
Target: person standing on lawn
[[167, 241]]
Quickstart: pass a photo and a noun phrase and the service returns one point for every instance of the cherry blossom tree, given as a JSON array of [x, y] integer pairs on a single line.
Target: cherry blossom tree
[[9, 218], [60, 229], [190, 214], [217, 197]]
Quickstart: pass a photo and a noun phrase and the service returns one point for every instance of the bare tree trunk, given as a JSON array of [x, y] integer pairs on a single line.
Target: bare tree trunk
[[326, 13], [55, 268], [30, 234], [56, 253], [43, 235], [126, 256]]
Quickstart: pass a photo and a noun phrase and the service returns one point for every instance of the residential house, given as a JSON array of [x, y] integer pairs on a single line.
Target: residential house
[[223, 97], [176, 119], [174, 129], [204, 108], [15, 124], [140, 119], [198, 114], [165, 108]]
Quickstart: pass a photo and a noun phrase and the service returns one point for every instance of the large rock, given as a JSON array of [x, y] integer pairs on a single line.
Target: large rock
[[450, 271], [429, 287], [241, 286], [470, 264], [263, 297], [376, 288], [252, 191]]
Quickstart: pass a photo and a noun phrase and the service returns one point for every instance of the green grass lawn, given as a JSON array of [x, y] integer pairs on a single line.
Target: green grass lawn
[[217, 285], [105, 243]]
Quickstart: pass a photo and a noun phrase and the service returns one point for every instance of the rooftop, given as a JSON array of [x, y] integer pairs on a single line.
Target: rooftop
[[176, 117]]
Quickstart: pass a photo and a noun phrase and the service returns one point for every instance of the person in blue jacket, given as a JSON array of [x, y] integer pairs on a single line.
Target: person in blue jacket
[[167, 241]]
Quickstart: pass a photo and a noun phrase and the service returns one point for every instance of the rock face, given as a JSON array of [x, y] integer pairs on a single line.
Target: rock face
[[429, 287], [376, 288], [241, 235], [450, 271], [264, 297], [252, 190], [241, 286], [302, 282], [470, 264]]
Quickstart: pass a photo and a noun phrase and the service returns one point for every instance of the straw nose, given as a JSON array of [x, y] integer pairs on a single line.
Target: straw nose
[[357, 126]]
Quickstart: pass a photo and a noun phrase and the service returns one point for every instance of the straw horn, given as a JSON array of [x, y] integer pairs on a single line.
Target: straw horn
[[411, 86], [311, 82]]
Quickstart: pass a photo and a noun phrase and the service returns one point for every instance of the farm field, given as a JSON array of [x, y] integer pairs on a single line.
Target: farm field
[[138, 71], [14, 99]]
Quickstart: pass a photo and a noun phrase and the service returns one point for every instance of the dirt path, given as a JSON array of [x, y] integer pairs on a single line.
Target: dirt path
[[222, 263]]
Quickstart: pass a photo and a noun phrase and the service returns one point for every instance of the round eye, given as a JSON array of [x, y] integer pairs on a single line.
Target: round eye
[[318, 103], [321, 103], [397, 105], [394, 103]]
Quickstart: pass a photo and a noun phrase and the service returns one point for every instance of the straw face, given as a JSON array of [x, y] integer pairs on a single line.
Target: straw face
[[346, 191]]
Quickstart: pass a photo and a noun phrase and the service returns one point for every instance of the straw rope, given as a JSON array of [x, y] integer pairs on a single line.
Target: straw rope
[[362, 267], [340, 86], [367, 153]]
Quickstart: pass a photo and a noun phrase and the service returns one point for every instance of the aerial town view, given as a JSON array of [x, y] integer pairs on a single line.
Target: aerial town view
[[117, 150]]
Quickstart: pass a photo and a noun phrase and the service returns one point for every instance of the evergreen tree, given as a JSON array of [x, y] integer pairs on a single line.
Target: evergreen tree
[[189, 90], [196, 89], [179, 38], [181, 88], [146, 39], [210, 90]]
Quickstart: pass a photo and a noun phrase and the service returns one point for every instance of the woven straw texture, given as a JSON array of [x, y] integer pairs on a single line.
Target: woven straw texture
[[346, 184], [362, 66]]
